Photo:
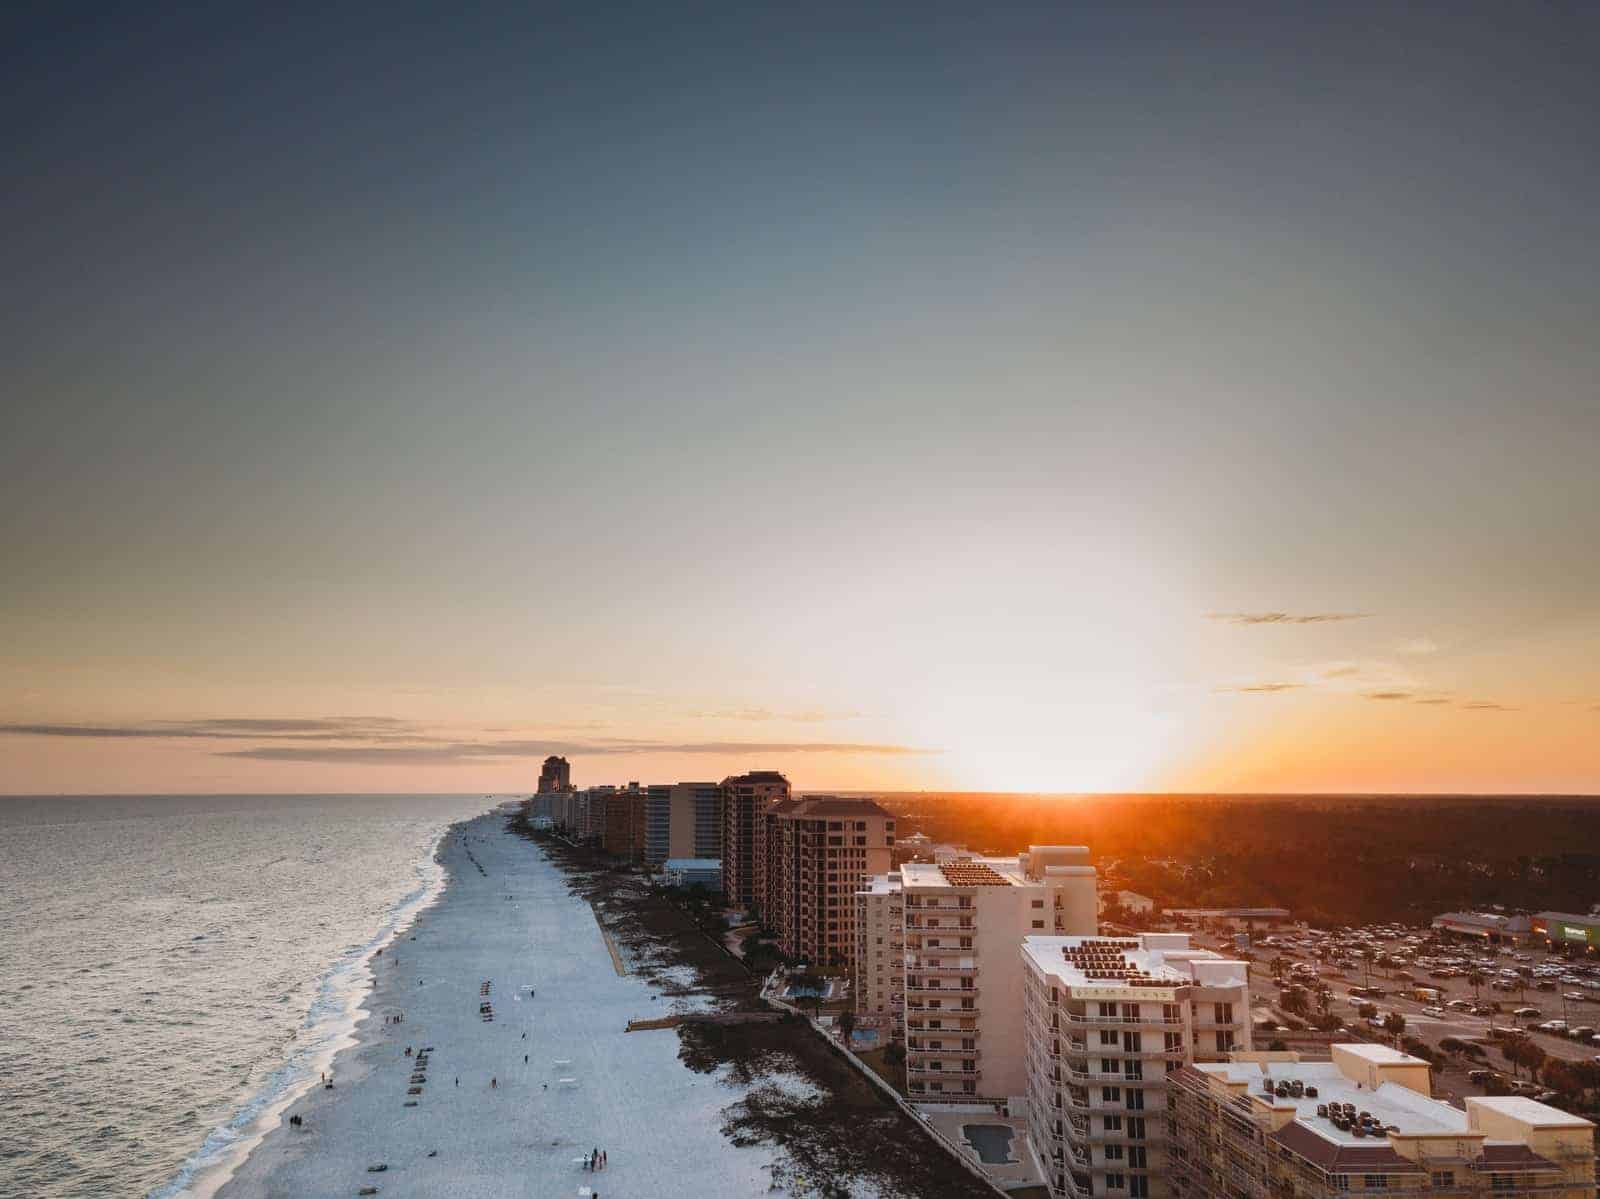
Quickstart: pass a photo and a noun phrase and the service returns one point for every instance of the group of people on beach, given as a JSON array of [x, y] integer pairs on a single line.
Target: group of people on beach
[[397, 1018], [597, 1161]]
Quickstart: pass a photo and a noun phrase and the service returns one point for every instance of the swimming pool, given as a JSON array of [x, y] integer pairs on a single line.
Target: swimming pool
[[864, 1036], [992, 1141]]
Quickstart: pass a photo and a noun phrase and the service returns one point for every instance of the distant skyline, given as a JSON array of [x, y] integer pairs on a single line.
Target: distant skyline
[[1055, 398]]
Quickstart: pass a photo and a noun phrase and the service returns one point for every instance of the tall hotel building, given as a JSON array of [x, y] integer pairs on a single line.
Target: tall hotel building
[[1269, 1126], [1107, 1021], [965, 920], [815, 853], [745, 800]]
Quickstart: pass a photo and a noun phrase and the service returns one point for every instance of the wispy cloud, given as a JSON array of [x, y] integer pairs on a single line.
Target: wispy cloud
[[1436, 699], [1257, 688], [1249, 618], [1417, 646], [1342, 670], [755, 712], [1483, 705], [1387, 695], [473, 751], [342, 728]]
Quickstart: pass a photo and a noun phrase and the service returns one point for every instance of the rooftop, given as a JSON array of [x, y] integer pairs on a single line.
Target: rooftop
[[966, 872], [1390, 1103], [880, 884], [1153, 959], [832, 805]]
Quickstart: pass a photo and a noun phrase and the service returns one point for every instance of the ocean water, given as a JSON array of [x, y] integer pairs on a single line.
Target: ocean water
[[173, 967]]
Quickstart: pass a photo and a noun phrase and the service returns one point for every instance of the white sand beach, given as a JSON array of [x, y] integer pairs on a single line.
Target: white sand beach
[[556, 998]]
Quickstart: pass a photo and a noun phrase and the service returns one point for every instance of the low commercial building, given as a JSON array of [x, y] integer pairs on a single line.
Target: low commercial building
[[1493, 928], [1270, 1125], [965, 923], [1107, 1020], [1244, 919], [693, 872], [1563, 930], [1131, 901], [879, 969]]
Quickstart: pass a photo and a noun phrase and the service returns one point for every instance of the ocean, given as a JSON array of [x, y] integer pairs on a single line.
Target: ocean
[[173, 966]]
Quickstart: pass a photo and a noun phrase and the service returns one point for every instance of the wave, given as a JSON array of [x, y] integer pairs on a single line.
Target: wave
[[329, 1026]]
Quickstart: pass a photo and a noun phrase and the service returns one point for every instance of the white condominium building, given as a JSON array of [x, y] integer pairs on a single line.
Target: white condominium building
[[880, 957], [965, 920], [1106, 1021]]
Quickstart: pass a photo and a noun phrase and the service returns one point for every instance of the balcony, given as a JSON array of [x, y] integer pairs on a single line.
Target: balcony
[[928, 1073], [1125, 1021], [965, 1055], [925, 967]]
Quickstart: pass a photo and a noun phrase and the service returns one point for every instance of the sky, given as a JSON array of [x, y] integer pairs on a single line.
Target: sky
[[1069, 397]]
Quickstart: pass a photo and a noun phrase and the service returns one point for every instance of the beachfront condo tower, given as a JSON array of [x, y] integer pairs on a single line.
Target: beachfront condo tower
[[555, 776], [745, 799], [965, 920], [1107, 1022], [878, 973], [816, 853]]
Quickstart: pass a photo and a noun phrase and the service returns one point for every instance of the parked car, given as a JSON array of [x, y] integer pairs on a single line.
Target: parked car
[[1527, 1013]]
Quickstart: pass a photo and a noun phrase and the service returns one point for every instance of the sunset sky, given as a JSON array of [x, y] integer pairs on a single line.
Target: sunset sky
[[1066, 397]]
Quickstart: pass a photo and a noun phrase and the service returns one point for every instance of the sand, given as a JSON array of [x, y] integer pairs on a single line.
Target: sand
[[507, 917]]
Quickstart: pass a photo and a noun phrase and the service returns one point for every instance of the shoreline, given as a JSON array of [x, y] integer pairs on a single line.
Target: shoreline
[[348, 983]]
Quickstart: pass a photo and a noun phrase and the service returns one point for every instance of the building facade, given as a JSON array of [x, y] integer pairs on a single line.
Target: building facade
[[816, 853], [625, 823], [1107, 1021], [965, 920], [556, 775], [745, 799], [879, 970], [1270, 1126]]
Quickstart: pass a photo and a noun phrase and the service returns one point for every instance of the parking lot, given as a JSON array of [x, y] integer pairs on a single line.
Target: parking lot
[[1402, 960]]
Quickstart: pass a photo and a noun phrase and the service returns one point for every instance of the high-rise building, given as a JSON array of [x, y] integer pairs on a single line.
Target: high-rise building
[[1268, 1125], [556, 776], [965, 920], [683, 820], [816, 853], [1107, 1022], [745, 798], [625, 823], [879, 970]]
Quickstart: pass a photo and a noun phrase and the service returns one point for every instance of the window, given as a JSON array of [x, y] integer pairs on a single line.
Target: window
[[1113, 1153], [1136, 1128], [1224, 1013], [1115, 1182], [1113, 1123], [1108, 1036], [1038, 903], [1038, 924], [1139, 1187], [1444, 1179], [1111, 1094]]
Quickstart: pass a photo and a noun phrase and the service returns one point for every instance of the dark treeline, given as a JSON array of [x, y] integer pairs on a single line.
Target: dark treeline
[[1329, 860]]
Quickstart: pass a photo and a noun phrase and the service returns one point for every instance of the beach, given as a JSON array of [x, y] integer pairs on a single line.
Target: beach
[[572, 950], [506, 918]]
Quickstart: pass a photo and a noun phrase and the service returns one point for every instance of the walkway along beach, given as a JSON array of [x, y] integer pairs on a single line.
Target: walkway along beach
[[513, 961]]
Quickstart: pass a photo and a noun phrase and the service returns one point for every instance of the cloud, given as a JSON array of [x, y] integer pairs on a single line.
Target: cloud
[[472, 751], [1417, 645], [1248, 618], [1259, 688], [757, 713], [342, 728], [1342, 671], [1483, 705], [1436, 699], [1388, 695]]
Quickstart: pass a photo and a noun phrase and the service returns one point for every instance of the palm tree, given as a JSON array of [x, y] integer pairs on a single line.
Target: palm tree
[[1475, 981]]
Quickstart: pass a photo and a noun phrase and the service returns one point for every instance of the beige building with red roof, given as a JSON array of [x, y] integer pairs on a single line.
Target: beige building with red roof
[[1270, 1125]]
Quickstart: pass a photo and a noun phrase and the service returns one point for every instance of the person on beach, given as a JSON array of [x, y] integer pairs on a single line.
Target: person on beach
[[602, 1159], [494, 1084]]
